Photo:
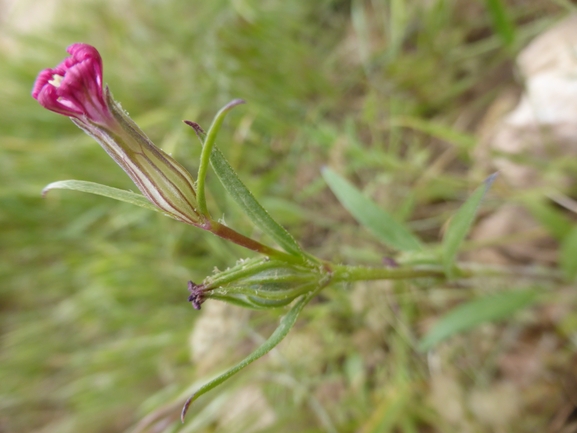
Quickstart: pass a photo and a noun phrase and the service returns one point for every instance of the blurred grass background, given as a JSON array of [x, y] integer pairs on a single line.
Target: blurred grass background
[[96, 334]]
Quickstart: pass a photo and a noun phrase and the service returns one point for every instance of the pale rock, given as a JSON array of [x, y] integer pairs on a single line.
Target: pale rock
[[497, 406], [216, 333], [246, 411], [543, 125]]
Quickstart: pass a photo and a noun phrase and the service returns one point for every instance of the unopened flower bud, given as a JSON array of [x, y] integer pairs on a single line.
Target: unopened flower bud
[[75, 89], [257, 283]]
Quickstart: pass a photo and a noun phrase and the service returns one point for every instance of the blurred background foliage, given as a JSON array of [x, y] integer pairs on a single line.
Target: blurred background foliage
[[96, 333]]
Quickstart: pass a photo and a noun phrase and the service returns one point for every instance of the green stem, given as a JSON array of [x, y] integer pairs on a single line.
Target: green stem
[[208, 144], [244, 241], [343, 273]]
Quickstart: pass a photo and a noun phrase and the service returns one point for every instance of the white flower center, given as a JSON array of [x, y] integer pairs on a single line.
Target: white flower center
[[56, 80]]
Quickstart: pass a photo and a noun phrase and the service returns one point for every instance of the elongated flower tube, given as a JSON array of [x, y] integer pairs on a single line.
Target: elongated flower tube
[[75, 89]]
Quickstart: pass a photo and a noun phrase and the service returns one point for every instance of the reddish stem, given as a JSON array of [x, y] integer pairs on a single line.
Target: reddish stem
[[230, 235]]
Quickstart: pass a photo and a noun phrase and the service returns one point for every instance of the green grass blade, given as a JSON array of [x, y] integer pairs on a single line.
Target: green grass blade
[[461, 224], [286, 323], [462, 140], [468, 315], [568, 253], [103, 190], [366, 212], [553, 219], [249, 204], [502, 22]]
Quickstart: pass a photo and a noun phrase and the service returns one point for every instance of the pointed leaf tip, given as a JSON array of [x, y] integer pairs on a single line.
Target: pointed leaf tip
[[489, 181], [234, 103], [201, 134], [461, 223], [185, 408]]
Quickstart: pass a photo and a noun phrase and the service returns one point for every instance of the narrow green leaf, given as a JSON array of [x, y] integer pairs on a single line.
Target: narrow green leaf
[[208, 143], [550, 217], [502, 22], [461, 224], [568, 259], [103, 190], [286, 323], [253, 209], [443, 132], [366, 212], [470, 314]]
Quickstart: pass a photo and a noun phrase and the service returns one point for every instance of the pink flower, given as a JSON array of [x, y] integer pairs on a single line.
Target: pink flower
[[74, 87]]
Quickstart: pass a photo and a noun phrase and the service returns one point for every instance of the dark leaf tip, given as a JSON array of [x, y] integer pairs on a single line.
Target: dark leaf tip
[[489, 181], [185, 408]]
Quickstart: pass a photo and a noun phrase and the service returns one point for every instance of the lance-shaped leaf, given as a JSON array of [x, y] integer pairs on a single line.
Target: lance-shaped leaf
[[461, 224], [234, 186], [249, 204], [470, 314], [568, 253], [286, 323], [502, 21], [103, 190], [461, 140], [387, 229]]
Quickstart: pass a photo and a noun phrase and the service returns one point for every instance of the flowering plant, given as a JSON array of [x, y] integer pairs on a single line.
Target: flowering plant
[[284, 275]]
